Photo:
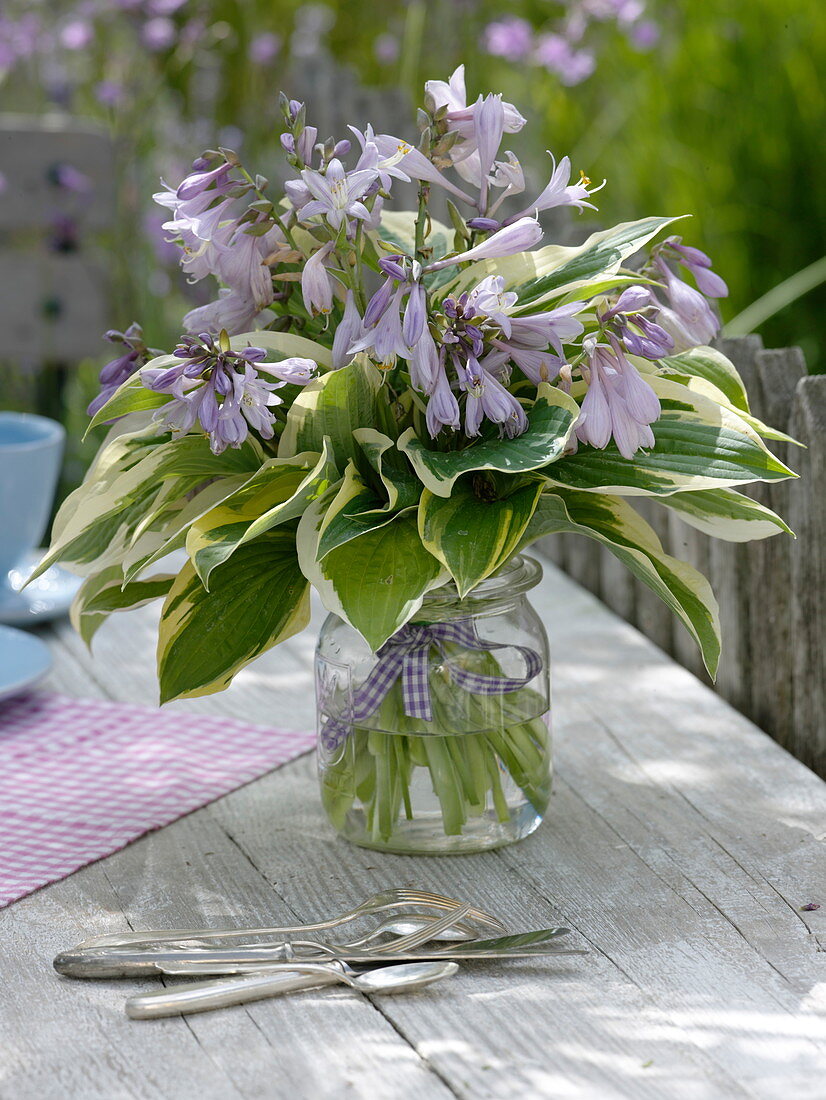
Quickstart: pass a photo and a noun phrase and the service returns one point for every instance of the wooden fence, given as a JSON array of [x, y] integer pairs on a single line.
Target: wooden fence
[[772, 593]]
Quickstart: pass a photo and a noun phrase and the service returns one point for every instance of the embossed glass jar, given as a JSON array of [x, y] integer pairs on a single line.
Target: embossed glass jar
[[440, 742]]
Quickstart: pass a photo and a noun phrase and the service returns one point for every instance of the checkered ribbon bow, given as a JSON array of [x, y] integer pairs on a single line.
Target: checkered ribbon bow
[[407, 654]]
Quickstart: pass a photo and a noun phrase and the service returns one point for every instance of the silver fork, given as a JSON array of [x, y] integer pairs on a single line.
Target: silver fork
[[378, 903], [98, 963]]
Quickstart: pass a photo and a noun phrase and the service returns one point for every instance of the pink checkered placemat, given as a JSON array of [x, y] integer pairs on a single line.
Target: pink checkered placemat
[[81, 778]]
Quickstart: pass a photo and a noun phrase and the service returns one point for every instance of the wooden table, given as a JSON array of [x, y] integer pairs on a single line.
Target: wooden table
[[680, 847]]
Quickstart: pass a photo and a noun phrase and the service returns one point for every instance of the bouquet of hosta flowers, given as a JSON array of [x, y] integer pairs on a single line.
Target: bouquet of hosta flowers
[[378, 403]]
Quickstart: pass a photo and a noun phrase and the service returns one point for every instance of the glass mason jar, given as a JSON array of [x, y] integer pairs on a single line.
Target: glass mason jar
[[440, 742]]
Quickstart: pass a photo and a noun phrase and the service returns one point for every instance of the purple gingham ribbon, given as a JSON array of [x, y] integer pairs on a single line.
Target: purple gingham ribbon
[[407, 654]]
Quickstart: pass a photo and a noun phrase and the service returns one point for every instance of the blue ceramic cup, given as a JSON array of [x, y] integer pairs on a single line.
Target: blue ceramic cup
[[31, 449]]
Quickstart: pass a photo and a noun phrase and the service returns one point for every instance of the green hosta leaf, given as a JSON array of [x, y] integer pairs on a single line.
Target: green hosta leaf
[[132, 396], [551, 422], [332, 406], [472, 537], [726, 514], [398, 227], [104, 593], [376, 582], [555, 270], [355, 510], [698, 445], [402, 486], [279, 491], [165, 528], [712, 365], [257, 599], [709, 390], [286, 345], [98, 519], [613, 522]]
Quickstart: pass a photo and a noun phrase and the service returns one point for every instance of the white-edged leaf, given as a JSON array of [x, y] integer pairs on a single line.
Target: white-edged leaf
[[726, 514], [256, 600], [99, 596], [551, 422], [699, 444], [613, 522], [286, 345]]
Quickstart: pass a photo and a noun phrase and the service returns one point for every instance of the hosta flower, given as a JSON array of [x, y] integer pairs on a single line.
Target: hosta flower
[[619, 402], [490, 299], [487, 397], [385, 340], [463, 120], [337, 194], [686, 316], [316, 284], [415, 164], [519, 236], [699, 264], [117, 370], [230, 312], [561, 192], [222, 390], [348, 331], [442, 408], [639, 334]]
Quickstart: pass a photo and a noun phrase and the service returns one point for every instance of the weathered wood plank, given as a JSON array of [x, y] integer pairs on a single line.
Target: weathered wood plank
[[807, 518]]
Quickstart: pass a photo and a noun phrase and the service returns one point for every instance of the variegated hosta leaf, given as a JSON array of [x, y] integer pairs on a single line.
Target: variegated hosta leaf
[[699, 445], [104, 593], [257, 599], [332, 406], [132, 396], [726, 514], [103, 510], [551, 421], [474, 537], [709, 390], [355, 510], [165, 527], [278, 492], [376, 582], [557, 270], [398, 227], [613, 522], [286, 345], [708, 363], [402, 486]]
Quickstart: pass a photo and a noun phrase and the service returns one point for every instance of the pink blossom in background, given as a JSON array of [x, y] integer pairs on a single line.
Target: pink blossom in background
[[158, 33], [77, 35], [645, 34], [386, 48], [264, 48], [511, 38], [571, 66], [110, 93]]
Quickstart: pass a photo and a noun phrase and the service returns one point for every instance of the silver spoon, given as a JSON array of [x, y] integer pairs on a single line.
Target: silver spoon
[[204, 996]]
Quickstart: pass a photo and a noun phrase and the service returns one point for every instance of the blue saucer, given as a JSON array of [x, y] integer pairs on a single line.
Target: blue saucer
[[49, 597], [24, 660]]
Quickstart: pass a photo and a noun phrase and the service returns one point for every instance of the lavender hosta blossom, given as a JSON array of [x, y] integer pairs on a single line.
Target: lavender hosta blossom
[[425, 369], [222, 389], [385, 340], [559, 191], [686, 315], [699, 264], [348, 331], [316, 284], [230, 312], [336, 194], [461, 119], [518, 236], [416, 165], [118, 370], [442, 408], [487, 397], [640, 335], [511, 38], [619, 402], [490, 299]]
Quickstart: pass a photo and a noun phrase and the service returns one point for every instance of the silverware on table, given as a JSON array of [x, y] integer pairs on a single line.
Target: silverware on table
[[101, 962], [203, 996], [121, 964], [400, 898]]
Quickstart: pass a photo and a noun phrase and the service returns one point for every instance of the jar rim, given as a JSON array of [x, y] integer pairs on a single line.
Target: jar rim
[[517, 575]]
